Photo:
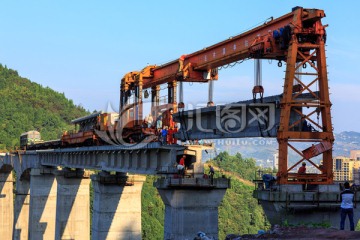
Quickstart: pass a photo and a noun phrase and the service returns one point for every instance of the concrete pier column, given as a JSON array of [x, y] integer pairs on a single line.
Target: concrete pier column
[[72, 205], [290, 203], [42, 204], [22, 203], [117, 206], [6, 205], [191, 205]]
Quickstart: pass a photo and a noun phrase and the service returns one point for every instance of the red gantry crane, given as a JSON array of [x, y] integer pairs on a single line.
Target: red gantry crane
[[297, 39]]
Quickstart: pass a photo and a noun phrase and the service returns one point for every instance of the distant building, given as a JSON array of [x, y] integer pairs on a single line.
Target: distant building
[[346, 169], [355, 154]]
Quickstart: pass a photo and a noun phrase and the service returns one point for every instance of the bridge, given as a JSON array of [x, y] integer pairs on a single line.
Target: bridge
[[52, 186], [52, 192]]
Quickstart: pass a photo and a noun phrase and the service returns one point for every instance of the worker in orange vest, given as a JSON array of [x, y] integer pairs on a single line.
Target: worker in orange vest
[[181, 166]]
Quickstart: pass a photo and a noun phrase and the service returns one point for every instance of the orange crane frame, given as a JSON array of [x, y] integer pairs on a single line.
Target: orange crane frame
[[297, 38]]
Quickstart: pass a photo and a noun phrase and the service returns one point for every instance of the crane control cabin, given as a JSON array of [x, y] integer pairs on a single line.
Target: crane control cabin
[[297, 40]]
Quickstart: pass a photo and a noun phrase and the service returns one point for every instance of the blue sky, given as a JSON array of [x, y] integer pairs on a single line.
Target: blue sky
[[83, 48]]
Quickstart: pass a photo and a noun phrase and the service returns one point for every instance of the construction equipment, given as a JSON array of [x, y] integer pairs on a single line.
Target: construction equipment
[[297, 39]]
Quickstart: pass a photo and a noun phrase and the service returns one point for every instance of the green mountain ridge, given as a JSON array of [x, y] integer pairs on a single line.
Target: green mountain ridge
[[26, 105]]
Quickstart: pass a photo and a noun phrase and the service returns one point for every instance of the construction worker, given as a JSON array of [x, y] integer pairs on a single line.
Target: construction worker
[[171, 121], [159, 123], [181, 166], [167, 119], [302, 169], [211, 173], [347, 205], [164, 133], [181, 62], [269, 180], [150, 120]]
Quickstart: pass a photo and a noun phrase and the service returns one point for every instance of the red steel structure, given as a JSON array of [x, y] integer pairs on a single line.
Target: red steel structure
[[298, 39]]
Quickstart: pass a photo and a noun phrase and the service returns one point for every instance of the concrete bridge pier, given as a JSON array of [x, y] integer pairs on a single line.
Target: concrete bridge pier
[[191, 205], [6, 204], [73, 204], [117, 206], [43, 189], [22, 203], [294, 205]]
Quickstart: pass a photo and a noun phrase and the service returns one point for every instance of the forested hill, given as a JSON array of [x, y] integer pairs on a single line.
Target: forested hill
[[25, 105]]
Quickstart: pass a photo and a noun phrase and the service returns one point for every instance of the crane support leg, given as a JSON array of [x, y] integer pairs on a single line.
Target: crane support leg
[[138, 103], [211, 93], [155, 100], [307, 130], [172, 94]]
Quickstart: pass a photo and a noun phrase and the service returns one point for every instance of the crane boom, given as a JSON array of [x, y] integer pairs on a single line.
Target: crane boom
[[261, 42], [231, 50]]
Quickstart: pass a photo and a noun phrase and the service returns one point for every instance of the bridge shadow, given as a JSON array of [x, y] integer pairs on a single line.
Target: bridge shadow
[[4, 174], [104, 214], [5, 200], [41, 214], [71, 208], [115, 213], [21, 206]]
